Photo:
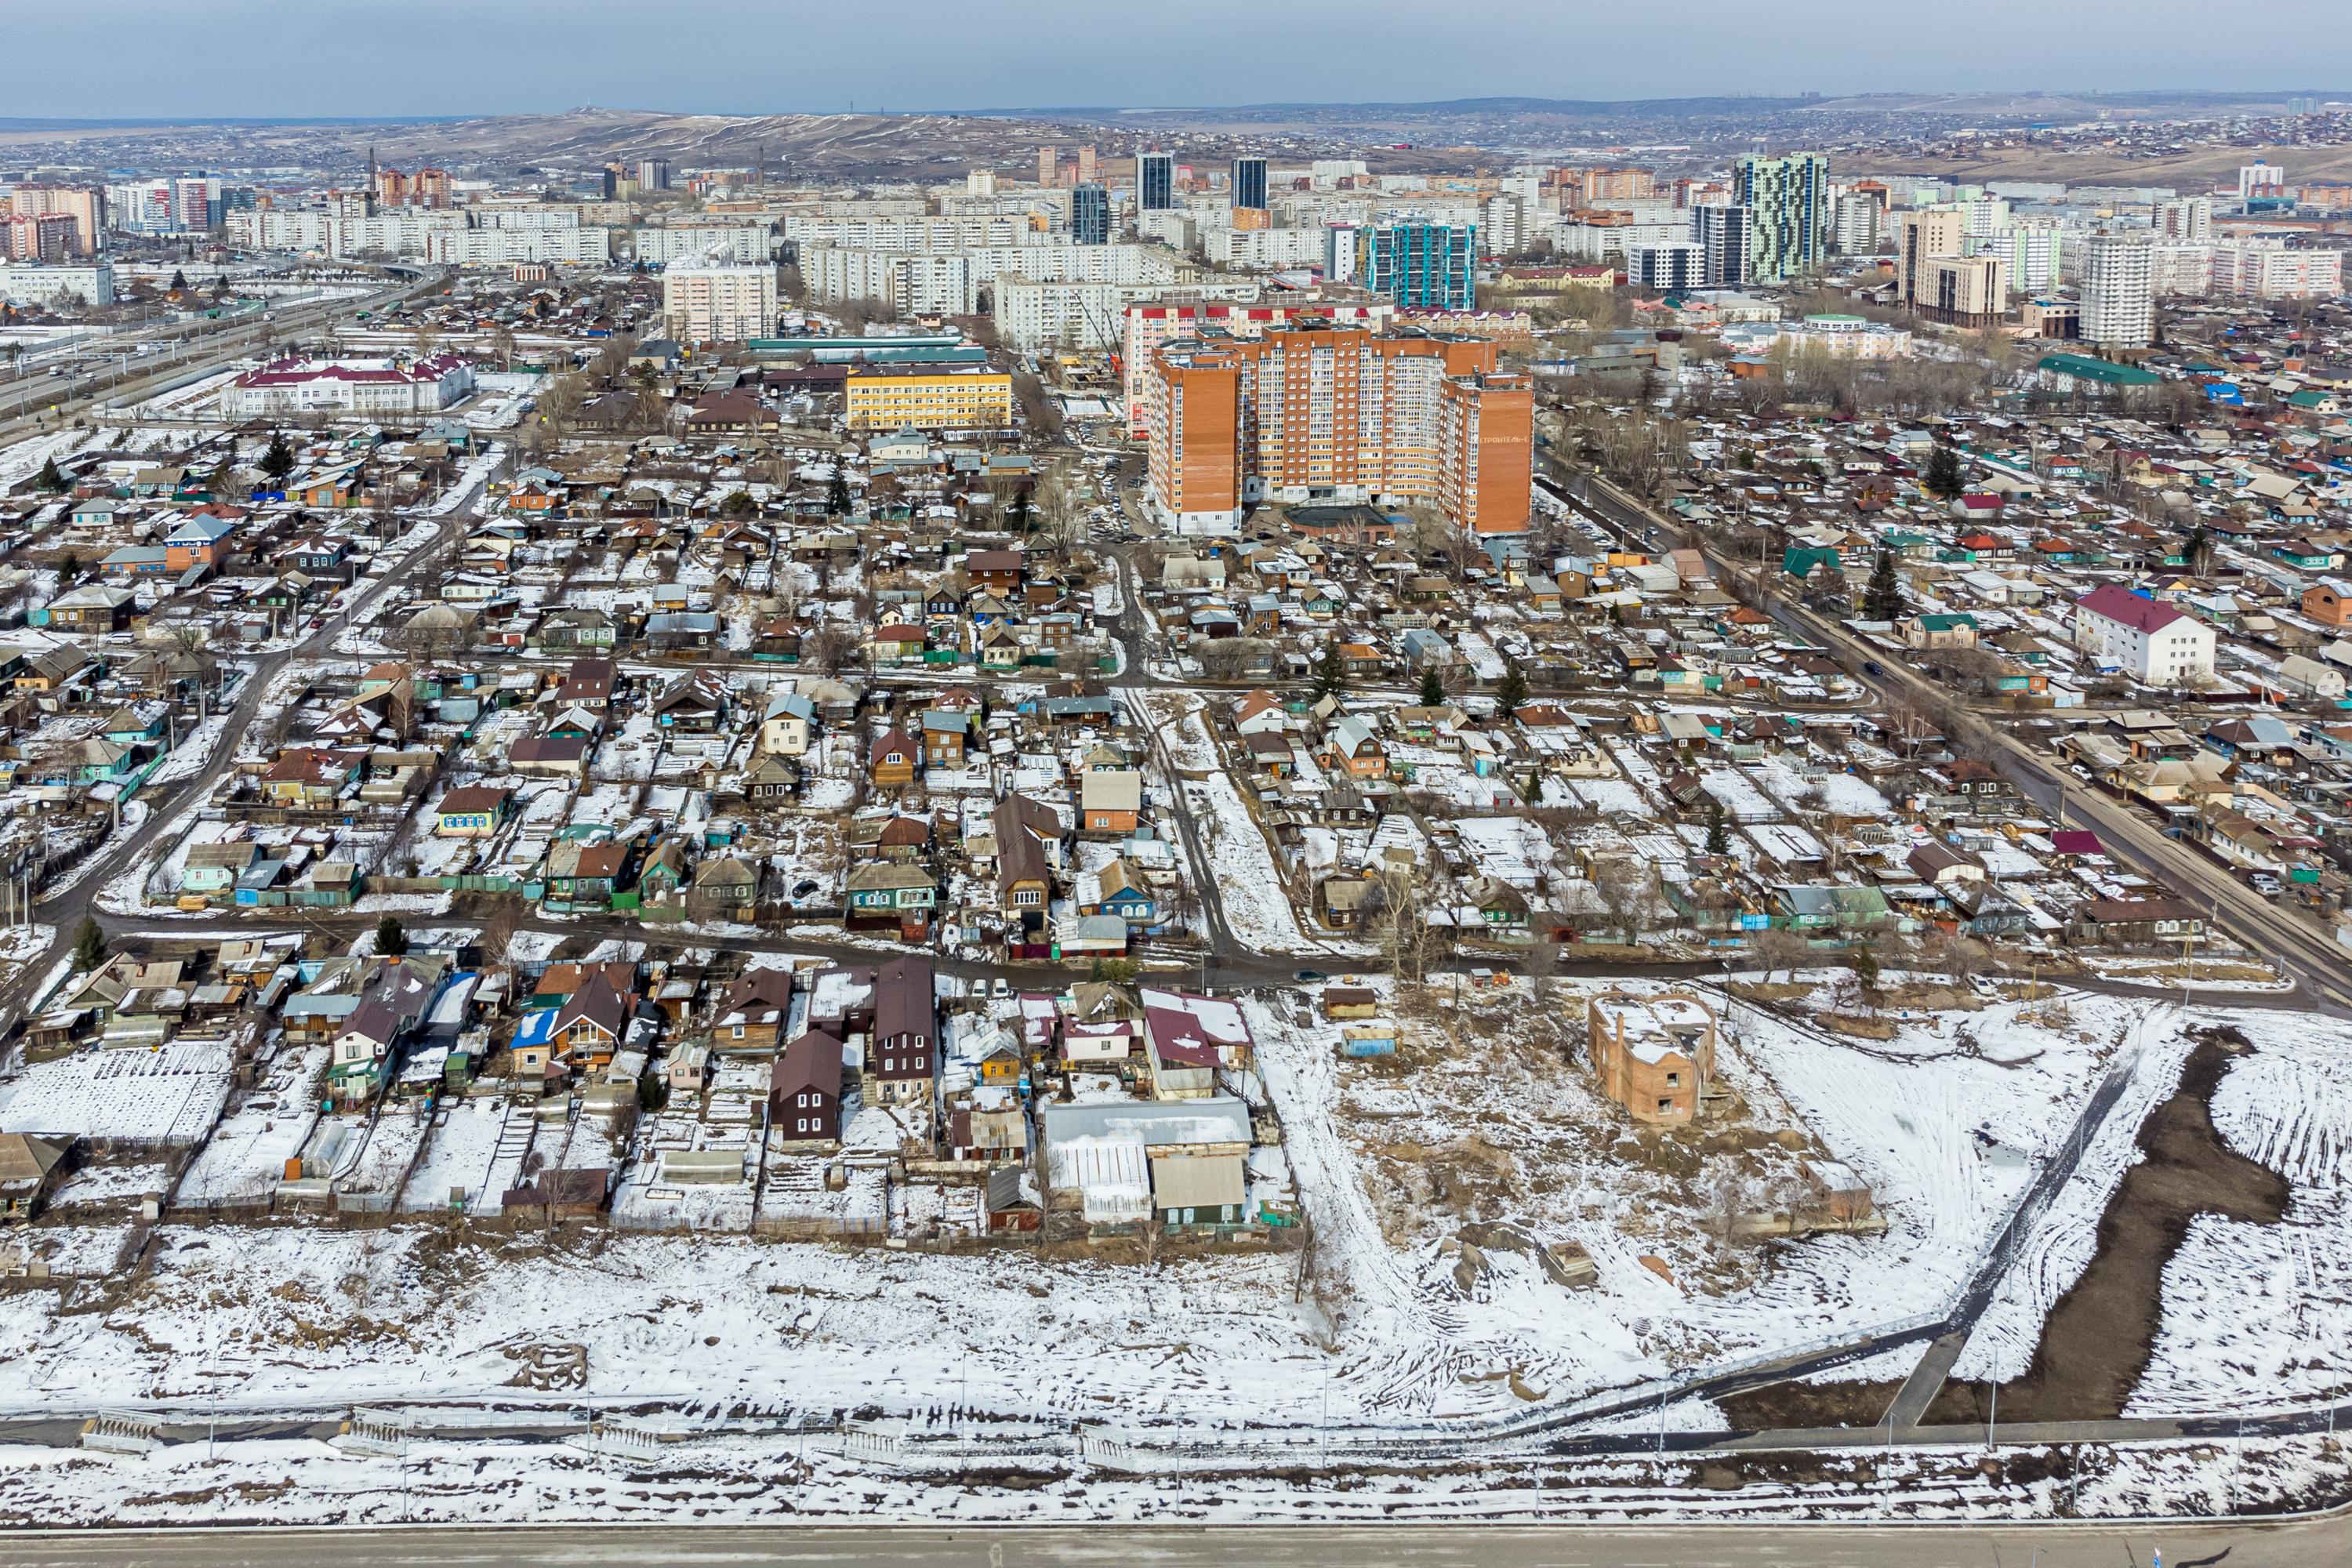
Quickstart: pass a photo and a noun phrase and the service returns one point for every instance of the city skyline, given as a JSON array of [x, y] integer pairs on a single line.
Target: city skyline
[[535, 57]]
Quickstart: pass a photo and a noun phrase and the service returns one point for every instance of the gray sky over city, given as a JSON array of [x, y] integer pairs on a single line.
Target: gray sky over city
[[274, 58]]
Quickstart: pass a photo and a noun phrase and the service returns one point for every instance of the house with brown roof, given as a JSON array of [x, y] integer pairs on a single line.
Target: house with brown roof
[[590, 683], [804, 1089], [473, 811], [892, 761], [902, 1060], [589, 1028], [1028, 843], [751, 1017], [2160, 921], [993, 571], [586, 876], [304, 778]]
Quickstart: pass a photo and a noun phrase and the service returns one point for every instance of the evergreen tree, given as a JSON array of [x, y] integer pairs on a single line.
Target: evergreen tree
[[1865, 967], [738, 504], [68, 568], [2198, 553], [1943, 476], [1882, 598], [179, 281], [836, 494], [1718, 839], [391, 940], [278, 461], [1512, 694], [1331, 670], [89, 945], [1017, 517], [1433, 689], [50, 479]]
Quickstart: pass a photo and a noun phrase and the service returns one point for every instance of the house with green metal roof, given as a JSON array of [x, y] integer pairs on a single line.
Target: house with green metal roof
[[1801, 562], [2068, 372]]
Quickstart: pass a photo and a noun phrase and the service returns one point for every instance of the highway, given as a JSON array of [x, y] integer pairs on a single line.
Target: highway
[[2308, 1544]]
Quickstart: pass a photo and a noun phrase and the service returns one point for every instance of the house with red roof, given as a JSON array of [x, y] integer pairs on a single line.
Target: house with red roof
[[368, 387], [2152, 642]]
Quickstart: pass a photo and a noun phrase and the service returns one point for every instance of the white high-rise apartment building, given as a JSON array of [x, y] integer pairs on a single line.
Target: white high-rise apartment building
[[2118, 291], [2267, 269], [915, 283], [2186, 220], [1502, 225], [716, 304], [504, 247], [2180, 270], [1858, 221], [1984, 216]]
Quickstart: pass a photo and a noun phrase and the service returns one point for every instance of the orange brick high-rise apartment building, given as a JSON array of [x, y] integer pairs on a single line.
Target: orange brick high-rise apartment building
[[1319, 412]]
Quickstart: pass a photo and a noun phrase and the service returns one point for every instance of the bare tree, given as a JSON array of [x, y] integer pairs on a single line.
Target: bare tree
[[1775, 949], [1951, 953], [1394, 916], [1061, 516], [1623, 884], [191, 648], [829, 647]]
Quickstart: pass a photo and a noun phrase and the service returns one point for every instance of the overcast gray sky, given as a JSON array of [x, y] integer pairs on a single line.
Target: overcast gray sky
[[88, 58]]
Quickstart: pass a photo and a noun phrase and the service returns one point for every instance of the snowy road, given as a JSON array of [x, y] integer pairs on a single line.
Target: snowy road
[[2315, 1544]]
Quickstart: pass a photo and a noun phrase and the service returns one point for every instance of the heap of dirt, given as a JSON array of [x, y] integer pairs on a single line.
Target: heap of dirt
[[1789, 1406], [2097, 1340]]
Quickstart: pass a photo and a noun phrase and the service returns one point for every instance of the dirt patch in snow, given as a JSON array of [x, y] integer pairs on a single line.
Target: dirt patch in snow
[[1795, 1406], [2097, 1340]]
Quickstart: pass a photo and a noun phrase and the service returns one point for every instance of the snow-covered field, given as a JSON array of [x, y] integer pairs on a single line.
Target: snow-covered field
[[1948, 1121], [2258, 1317], [1947, 1135]]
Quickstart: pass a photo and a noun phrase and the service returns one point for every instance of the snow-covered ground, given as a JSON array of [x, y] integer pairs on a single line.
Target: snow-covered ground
[[1947, 1121], [2258, 1317], [1906, 1114], [704, 1478], [1240, 865]]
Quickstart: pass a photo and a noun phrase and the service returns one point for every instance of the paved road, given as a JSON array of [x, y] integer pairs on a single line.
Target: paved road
[[2314, 1543], [66, 909], [2321, 967]]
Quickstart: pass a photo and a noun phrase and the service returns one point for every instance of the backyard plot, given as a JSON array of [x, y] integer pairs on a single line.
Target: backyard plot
[[167, 1097]]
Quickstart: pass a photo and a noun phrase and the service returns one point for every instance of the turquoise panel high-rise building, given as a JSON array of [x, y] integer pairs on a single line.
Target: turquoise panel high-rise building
[[1788, 201], [1424, 266]]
